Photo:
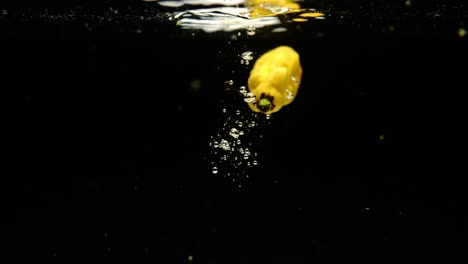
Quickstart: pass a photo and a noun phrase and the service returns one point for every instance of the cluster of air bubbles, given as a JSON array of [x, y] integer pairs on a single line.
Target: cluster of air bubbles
[[232, 149], [248, 96], [242, 90], [246, 57]]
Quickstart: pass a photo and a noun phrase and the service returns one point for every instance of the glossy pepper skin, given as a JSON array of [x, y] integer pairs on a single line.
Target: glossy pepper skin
[[275, 79]]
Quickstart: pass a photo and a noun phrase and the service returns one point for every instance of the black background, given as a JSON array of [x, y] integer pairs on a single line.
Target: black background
[[110, 150]]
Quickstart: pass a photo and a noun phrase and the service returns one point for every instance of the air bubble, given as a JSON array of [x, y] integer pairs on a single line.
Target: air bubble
[[234, 133], [224, 144], [243, 90], [248, 55], [249, 97], [251, 30]]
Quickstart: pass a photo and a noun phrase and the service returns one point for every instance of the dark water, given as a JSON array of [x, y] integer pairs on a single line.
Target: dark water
[[110, 141]]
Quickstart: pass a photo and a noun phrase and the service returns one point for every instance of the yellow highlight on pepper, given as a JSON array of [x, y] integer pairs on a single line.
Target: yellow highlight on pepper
[[314, 14], [298, 19], [275, 79]]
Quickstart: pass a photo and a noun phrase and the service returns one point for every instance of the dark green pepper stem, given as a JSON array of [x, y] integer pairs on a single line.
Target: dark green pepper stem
[[265, 103]]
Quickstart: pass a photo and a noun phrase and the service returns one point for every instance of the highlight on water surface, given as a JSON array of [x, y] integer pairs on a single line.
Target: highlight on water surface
[[232, 15], [275, 80]]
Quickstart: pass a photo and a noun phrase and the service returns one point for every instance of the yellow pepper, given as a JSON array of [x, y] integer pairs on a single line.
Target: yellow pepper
[[275, 79]]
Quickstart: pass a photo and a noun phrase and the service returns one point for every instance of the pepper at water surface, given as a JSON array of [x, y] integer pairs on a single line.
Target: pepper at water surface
[[275, 79]]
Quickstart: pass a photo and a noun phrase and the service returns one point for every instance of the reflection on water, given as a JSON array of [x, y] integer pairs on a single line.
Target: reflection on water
[[237, 14]]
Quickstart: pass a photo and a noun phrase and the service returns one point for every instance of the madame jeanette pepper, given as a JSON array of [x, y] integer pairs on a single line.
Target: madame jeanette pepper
[[275, 79]]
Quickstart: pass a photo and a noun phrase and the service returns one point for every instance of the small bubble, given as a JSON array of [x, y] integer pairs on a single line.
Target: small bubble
[[215, 170], [248, 55], [243, 90], [267, 116], [238, 112], [240, 124], [241, 61], [224, 110], [224, 145], [251, 30], [250, 95], [234, 133], [254, 162], [228, 84]]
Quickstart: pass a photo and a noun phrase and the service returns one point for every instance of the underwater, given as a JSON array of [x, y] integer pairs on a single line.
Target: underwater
[[236, 131]]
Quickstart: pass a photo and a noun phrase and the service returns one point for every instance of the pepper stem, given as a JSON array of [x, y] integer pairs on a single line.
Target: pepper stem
[[264, 104]]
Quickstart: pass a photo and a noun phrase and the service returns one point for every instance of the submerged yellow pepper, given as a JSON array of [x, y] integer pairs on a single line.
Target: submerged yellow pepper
[[275, 79]]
